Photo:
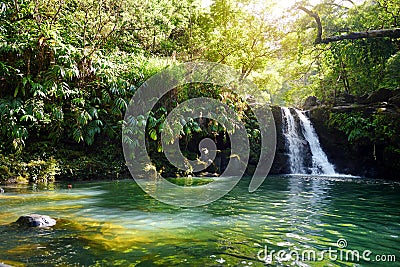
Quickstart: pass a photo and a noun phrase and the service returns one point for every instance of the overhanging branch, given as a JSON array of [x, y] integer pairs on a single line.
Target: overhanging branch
[[318, 40], [391, 33]]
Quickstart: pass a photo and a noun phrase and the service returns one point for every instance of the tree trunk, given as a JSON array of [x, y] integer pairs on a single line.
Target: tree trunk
[[318, 40], [392, 33]]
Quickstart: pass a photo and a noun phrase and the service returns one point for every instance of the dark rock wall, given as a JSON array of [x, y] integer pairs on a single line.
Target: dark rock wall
[[364, 159], [281, 160], [347, 158]]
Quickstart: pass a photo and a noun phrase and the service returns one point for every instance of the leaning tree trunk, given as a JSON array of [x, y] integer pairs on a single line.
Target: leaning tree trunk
[[391, 33]]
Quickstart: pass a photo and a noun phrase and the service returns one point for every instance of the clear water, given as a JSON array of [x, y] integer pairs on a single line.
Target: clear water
[[116, 224]]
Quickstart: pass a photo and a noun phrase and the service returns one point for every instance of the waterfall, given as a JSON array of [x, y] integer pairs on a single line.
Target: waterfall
[[301, 137], [320, 162], [294, 143]]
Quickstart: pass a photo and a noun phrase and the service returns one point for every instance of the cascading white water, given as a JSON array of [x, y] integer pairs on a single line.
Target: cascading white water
[[321, 164], [295, 144], [293, 141]]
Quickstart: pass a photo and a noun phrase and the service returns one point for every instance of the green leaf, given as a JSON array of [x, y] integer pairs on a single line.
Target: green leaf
[[153, 134], [121, 104], [77, 135], [27, 118]]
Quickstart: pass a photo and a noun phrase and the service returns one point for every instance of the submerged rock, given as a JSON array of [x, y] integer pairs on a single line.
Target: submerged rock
[[36, 220]]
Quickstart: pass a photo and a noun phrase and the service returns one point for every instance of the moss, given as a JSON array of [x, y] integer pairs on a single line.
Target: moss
[[43, 162], [20, 180], [15, 169], [4, 172], [42, 170]]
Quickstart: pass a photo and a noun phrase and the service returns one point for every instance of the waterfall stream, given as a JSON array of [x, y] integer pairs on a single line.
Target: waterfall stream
[[302, 142], [293, 142]]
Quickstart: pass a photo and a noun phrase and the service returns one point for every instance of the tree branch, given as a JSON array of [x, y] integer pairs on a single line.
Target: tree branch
[[53, 20], [392, 33], [318, 39]]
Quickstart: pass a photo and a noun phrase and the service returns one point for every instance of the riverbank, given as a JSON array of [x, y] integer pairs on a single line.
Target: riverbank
[[45, 162], [361, 137]]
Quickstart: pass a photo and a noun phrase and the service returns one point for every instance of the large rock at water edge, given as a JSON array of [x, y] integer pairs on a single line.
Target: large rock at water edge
[[36, 220]]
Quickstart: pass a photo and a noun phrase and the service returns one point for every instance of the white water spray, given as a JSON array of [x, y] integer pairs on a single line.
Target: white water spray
[[296, 142]]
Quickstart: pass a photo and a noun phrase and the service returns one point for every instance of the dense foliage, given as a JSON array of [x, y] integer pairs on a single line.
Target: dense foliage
[[356, 67], [373, 128], [68, 68]]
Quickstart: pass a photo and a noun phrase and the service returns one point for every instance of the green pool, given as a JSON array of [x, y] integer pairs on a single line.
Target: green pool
[[304, 219]]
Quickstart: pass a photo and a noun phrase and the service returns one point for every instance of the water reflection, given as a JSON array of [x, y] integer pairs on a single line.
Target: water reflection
[[109, 223]]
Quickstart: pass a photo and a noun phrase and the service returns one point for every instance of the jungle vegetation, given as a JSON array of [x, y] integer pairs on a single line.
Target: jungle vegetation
[[69, 67]]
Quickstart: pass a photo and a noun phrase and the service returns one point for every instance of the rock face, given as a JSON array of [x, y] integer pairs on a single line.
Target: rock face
[[36, 220], [345, 98], [362, 158], [382, 95], [281, 160], [395, 100], [347, 158]]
